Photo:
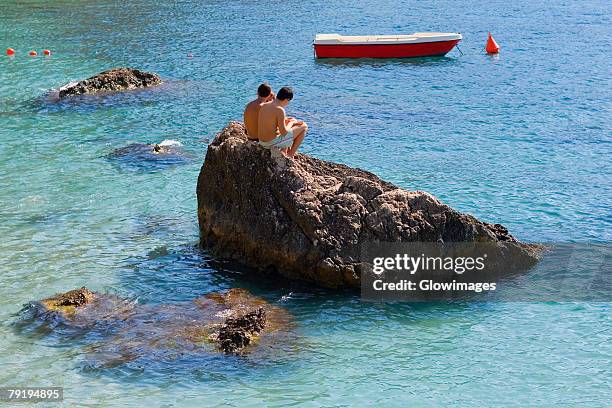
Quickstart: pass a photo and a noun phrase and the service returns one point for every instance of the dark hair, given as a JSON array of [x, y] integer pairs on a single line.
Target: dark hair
[[285, 93], [264, 90]]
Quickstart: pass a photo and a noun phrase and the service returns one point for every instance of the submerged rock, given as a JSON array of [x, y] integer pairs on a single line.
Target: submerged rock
[[117, 79], [308, 219], [238, 332], [233, 322], [167, 152], [80, 309], [68, 302], [165, 148]]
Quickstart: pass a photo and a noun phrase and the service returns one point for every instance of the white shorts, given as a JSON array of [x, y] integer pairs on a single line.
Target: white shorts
[[280, 142]]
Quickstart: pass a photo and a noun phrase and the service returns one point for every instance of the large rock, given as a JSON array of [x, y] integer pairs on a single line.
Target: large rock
[[307, 218], [117, 79]]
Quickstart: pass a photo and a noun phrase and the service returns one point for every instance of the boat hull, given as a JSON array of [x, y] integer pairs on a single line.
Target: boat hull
[[422, 49]]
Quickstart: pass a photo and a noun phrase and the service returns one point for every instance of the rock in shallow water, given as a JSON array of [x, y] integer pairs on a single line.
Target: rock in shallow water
[[233, 322], [308, 219], [238, 332], [117, 79], [68, 302], [145, 157], [149, 152]]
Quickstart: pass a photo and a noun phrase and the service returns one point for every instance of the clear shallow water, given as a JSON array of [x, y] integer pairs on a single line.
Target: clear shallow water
[[522, 139]]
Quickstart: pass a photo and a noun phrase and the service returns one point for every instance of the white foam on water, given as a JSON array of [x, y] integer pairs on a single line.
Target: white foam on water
[[168, 142], [69, 85]]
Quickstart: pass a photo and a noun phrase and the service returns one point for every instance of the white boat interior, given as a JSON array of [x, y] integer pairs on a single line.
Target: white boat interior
[[337, 39]]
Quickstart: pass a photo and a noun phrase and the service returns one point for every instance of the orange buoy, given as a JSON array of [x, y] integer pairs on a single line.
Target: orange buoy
[[10, 51], [33, 53], [492, 47], [47, 52]]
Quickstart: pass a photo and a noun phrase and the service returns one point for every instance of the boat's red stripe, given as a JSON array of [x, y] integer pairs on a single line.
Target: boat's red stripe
[[427, 49]]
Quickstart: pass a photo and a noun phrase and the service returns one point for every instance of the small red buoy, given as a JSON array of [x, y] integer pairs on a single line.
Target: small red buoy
[[47, 52], [492, 47], [33, 53], [10, 51]]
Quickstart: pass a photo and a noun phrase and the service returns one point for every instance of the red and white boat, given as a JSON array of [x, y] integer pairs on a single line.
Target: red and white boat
[[385, 46]]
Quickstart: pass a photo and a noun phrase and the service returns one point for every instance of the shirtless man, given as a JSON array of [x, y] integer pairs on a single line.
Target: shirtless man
[[251, 111], [278, 131]]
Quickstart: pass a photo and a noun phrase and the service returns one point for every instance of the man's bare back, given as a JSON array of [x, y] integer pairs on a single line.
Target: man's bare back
[[251, 111], [270, 115], [251, 118]]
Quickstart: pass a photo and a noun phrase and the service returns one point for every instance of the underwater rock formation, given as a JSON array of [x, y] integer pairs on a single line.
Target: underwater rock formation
[[237, 332], [144, 155], [68, 302], [166, 148], [117, 79], [308, 219], [232, 322]]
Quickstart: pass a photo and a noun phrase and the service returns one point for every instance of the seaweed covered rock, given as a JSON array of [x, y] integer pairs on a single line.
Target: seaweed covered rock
[[117, 79], [237, 332], [68, 302], [308, 219], [232, 321]]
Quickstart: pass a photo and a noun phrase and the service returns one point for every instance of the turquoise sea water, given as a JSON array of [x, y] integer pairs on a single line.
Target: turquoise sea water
[[523, 139]]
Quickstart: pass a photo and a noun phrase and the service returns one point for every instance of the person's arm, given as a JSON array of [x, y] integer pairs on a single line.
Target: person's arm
[[284, 127]]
